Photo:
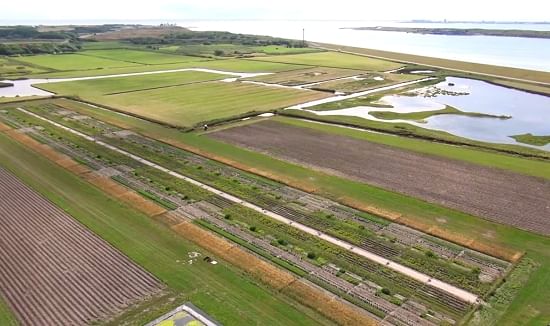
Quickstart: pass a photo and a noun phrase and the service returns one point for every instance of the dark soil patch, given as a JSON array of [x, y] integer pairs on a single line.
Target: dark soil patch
[[498, 195]]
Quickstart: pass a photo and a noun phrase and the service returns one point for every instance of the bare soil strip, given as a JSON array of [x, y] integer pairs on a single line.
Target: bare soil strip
[[497, 195], [53, 271]]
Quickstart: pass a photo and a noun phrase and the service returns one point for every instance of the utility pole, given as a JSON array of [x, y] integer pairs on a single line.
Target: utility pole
[[303, 37]]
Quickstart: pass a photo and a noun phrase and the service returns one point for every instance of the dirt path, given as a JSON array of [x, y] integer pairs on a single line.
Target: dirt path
[[497, 195], [460, 293]]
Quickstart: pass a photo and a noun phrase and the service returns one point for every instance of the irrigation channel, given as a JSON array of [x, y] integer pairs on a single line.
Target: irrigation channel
[[448, 288]]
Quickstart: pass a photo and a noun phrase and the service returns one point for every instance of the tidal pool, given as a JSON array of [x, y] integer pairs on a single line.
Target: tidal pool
[[530, 113]]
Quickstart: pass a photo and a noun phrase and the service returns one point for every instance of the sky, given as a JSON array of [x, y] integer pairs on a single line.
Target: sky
[[177, 10]]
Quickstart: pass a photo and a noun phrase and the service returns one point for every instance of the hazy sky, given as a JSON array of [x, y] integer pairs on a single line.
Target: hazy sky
[[171, 10]]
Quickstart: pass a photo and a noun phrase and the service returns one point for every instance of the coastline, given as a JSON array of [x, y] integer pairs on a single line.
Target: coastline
[[515, 74]]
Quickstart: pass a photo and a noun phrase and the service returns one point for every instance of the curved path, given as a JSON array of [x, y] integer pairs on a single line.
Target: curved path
[[460, 293]]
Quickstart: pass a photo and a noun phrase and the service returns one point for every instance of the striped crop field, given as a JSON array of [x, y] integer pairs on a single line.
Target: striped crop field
[[53, 271]]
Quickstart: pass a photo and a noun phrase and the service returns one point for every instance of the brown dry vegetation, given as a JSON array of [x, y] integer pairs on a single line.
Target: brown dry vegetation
[[124, 194], [4, 127], [330, 305], [146, 206]]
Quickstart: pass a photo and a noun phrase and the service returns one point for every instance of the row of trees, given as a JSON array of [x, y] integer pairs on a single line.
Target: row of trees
[[208, 38], [37, 48], [29, 32]]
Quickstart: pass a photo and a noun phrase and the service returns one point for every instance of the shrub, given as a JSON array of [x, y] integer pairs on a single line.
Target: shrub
[[386, 291], [252, 228], [311, 255], [282, 242]]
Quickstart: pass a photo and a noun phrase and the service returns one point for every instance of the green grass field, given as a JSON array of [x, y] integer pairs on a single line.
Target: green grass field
[[140, 57], [334, 59], [308, 75], [241, 65], [422, 115], [72, 62], [6, 316], [191, 104], [532, 139], [233, 65], [222, 291], [98, 87], [352, 86]]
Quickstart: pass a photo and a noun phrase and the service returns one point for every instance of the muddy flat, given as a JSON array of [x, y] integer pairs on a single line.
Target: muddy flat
[[54, 271], [498, 195]]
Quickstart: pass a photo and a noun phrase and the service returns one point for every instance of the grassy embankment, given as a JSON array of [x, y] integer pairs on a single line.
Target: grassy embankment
[[532, 139], [405, 209], [420, 116], [222, 291], [533, 167], [412, 131], [453, 65], [534, 88]]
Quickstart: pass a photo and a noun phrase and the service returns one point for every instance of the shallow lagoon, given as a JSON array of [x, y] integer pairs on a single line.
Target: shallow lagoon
[[530, 113]]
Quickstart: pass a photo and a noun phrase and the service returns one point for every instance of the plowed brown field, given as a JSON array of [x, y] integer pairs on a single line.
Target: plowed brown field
[[498, 195], [53, 271]]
